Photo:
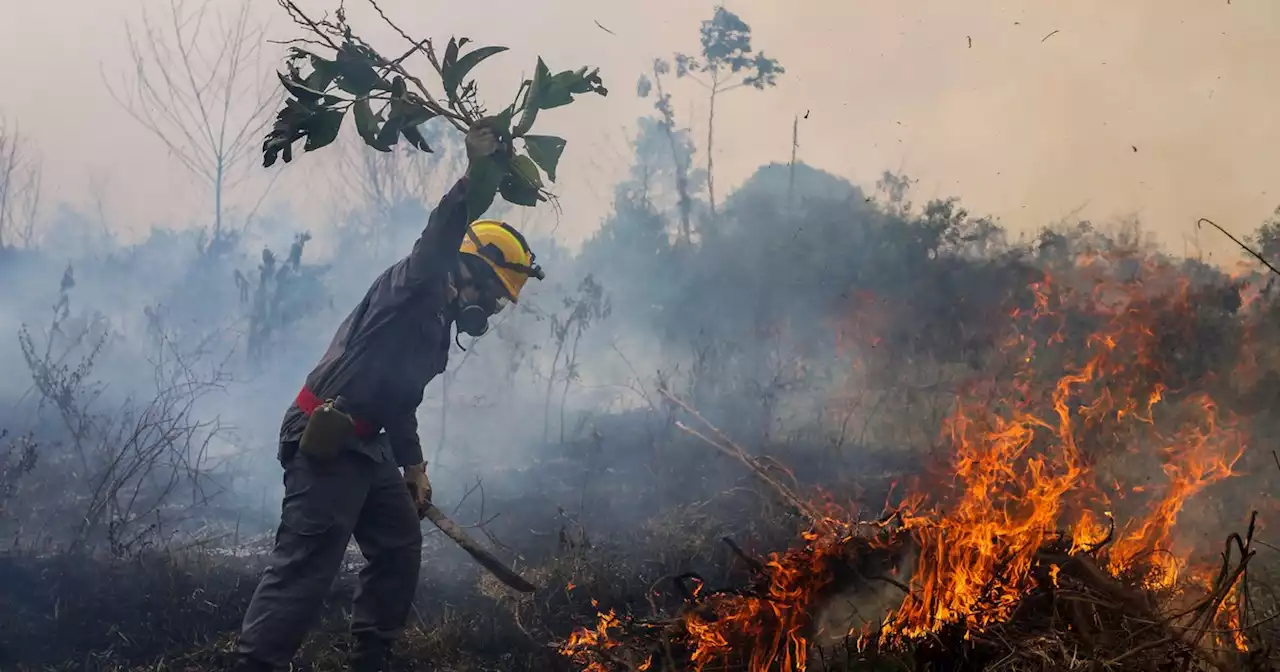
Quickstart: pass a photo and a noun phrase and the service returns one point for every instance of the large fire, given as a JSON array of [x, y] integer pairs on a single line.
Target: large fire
[[1053, 445]]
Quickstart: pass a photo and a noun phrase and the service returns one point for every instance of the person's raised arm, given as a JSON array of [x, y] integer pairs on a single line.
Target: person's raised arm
[[438, 245]]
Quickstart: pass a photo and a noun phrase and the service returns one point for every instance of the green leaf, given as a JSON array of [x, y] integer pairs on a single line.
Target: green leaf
[[541, 75], [412, 113], [525, 167], [483, 179], [299, 89], [404, 119], [279, 144], [454, 74], [501, 124], [322, 128], [295, 109], [523, 184], [390, 133], [415, 114], [556, 93], [584, 82], [355, 73], [450, 53], [560, 89], [545, 150], [323, 72], [367, 124], [515, 189], [358, 82], [290, 125], [414, 136]]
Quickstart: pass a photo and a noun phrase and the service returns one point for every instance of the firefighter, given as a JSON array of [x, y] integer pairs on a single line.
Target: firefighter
[[353, 427]]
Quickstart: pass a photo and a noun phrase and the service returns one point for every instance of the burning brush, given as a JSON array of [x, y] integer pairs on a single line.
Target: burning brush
[[1019, 562]]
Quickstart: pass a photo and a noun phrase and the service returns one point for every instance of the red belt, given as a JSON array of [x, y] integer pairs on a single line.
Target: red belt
[[308, 402]]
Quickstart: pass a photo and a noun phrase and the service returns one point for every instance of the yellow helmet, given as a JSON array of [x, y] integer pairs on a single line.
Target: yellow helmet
[[505, 250]]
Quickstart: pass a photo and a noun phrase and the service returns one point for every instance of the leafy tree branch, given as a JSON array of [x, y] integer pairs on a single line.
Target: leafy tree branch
[[345, 74]]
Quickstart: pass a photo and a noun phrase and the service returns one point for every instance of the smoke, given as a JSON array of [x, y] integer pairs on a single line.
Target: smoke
[[749, 320], [809, 318]]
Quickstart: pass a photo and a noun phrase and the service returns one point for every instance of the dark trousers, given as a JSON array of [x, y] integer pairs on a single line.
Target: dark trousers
[[360, 493]]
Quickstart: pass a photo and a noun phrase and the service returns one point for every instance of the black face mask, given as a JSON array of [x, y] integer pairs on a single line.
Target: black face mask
[[472, 319]]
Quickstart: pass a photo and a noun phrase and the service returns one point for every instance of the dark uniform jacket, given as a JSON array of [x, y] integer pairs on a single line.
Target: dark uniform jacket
[[394, 342]]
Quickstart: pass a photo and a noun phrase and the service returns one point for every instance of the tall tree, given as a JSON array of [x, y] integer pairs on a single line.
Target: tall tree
[[727, 62], [679, 145], [197, 85]]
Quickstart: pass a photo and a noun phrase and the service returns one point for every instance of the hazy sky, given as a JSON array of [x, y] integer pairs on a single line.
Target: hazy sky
[[1028, 114]]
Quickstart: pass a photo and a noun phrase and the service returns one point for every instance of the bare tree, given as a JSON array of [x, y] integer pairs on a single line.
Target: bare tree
[[123, 472], [196, 85], [18, 457], [590, 306], [681, 152], [20, 180]]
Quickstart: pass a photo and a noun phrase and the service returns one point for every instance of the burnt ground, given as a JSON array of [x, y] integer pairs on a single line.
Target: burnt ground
[[608, 521], [600, 519]]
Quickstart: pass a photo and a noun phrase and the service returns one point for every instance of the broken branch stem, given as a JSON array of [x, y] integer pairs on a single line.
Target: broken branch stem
[[789, 498]]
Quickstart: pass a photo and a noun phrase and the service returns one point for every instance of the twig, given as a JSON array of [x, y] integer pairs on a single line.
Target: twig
[[456, 119], [426, 48], [1265, 545], [1139, 649], [786, 495], [755, 565], [1246, 248], [733, 450], [1204, 619], [391, 23], [297, 13]]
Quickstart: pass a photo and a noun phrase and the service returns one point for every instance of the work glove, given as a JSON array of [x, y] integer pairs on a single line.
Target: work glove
[[482, 141], [415, 477]]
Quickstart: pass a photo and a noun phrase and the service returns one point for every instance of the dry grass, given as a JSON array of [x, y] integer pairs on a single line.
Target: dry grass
[[180, 611]]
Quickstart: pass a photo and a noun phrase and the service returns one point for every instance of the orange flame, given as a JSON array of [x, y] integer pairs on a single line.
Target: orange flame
[[1033, 452], [1025, 456], [582, 643]]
